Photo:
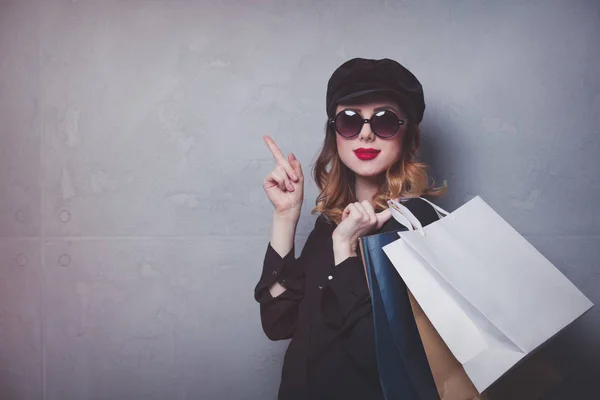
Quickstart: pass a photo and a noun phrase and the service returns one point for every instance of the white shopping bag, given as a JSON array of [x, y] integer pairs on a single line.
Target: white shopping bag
[[491, 296]]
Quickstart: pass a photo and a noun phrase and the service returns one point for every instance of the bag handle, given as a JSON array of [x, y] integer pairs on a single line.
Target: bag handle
[[405, 217], [397, 208], [397, 215], [437, 208]]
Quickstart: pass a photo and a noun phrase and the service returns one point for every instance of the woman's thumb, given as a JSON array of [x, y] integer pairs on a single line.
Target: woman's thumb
[[383, 217]]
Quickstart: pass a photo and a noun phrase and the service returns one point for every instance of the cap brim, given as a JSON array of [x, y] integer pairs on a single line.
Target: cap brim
[[361, 93], [392, 94]]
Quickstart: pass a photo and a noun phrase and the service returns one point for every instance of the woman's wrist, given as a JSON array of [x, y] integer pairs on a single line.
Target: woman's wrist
[[283, 232], [286, 217], [342, 250]]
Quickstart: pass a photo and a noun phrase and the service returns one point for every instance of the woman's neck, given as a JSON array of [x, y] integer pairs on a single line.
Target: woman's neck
[[365, 188]]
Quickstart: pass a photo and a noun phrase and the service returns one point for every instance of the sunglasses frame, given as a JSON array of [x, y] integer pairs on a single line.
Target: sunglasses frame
[[367, 121]]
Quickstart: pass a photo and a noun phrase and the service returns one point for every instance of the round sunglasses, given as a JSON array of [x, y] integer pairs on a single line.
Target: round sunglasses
[[349, 123]]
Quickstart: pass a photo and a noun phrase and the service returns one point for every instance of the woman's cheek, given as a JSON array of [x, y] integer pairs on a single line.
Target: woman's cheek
[[395, 154], [346, 154]]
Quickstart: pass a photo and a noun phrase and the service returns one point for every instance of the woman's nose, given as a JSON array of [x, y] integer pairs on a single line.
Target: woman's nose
[[366, 133]]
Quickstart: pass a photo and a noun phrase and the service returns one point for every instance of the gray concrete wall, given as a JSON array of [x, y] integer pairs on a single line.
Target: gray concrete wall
[[133, 222]]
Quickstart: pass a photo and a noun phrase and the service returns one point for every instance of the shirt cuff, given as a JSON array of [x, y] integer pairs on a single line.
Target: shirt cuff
[[276, 269], [345, 290]]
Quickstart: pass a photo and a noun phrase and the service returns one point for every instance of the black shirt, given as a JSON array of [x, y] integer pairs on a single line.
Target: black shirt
[[326, 310]]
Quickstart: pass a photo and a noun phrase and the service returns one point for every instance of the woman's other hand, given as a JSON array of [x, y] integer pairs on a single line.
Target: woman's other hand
[[359, 219]]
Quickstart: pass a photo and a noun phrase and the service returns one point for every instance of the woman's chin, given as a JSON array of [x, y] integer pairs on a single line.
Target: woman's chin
[[368, 172]]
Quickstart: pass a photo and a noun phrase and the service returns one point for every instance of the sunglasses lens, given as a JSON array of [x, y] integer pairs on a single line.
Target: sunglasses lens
[[348, 123], [384, 123]]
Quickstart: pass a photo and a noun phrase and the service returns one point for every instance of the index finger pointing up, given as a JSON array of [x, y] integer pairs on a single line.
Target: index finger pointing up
[[277, 154], [280, 158]]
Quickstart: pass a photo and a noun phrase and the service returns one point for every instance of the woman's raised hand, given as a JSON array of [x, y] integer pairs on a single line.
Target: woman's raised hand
[[285, 184]]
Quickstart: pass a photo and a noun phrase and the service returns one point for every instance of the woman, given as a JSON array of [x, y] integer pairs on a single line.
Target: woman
[[321, 300]]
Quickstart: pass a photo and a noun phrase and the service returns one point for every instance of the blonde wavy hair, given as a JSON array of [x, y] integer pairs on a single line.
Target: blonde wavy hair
[[407, 177]]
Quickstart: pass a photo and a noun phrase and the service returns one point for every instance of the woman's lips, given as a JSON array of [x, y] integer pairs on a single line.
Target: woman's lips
[[366, 154]]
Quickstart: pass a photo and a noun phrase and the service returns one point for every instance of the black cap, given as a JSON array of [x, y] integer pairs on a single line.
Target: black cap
[[360, 76]]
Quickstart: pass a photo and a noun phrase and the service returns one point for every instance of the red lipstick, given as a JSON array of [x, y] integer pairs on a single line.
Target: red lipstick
[[366, 154]]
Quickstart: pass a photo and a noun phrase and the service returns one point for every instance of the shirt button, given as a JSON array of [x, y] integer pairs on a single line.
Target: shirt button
[[320, 287], [330, 277], [274, 272]]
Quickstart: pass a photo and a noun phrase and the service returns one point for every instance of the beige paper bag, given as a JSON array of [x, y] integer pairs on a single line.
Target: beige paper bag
[[448, 374]]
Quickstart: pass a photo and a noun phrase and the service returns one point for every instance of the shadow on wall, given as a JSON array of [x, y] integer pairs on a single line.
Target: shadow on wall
[[437, 150], [573, 353]]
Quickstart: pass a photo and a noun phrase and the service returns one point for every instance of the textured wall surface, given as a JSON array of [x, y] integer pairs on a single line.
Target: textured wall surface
[[133, 222]]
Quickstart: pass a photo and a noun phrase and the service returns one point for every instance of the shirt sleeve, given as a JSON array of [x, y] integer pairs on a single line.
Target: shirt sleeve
[[284, 270], [346, 309], [345, 291], [279, 314]]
